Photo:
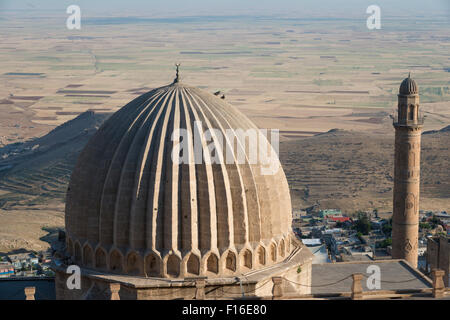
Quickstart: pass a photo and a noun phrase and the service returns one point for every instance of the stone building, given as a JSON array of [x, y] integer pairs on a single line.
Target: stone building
[[156, 226], [408, 130], [438, 256]]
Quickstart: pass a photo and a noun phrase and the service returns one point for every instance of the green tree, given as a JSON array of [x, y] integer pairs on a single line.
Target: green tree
[[386, 242], [434, 222], [387, 229], [424, 225], [362, 225]]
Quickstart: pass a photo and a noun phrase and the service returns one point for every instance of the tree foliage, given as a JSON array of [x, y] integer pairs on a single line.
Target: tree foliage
[[387, 228], [362, 225], [385, 243]]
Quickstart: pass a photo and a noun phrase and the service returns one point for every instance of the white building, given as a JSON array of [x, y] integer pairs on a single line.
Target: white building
[[21, 260]]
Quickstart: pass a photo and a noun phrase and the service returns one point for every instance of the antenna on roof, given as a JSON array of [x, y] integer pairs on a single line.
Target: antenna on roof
[[177, 78]]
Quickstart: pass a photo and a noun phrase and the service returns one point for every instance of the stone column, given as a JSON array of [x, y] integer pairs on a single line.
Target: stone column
[[29, 293], [357, 291], [113, 291], [444, 258], [277, 290], [405, 222], [200, 289], [438, 283]]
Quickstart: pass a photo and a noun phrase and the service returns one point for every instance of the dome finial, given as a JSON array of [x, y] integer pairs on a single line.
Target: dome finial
[[408, 86], [177, 78]]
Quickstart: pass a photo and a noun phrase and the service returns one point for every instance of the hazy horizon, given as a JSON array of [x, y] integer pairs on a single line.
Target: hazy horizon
[[161, 8]]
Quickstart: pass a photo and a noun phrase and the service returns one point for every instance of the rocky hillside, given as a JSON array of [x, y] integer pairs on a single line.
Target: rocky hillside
[[354, 170], [37, 171]]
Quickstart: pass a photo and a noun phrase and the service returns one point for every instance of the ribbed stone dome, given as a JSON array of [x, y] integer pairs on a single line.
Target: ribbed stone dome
[[131, 209], [408, 86]]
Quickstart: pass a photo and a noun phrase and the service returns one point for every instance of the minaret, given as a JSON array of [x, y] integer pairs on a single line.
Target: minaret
[[408, 129]]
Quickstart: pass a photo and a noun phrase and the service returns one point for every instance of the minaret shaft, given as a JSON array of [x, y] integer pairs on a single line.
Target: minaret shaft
[[408, 131], [405, 226]]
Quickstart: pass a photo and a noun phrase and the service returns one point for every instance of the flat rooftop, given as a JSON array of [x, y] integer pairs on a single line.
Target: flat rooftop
[[14, 289], [395, 275]]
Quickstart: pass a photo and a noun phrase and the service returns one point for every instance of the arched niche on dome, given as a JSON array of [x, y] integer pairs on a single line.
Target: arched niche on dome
[[212, 264], [69, 246], [173, 266], [230, 261], [77, 252], [152, 265], [193, 264], [282, 248], [115, 261], [88, 256], [261, 255], [100, 258], [273, 252], [246, 260], [134, 264]]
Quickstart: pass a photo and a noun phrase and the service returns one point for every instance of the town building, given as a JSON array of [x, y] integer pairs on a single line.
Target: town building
[[339, 219], [297, 215], [6, 269], [23, 260], [330, 213], [312, 242], [438, 256]]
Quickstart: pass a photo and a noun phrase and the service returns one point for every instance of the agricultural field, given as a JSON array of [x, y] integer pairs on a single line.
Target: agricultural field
[[302, 76]]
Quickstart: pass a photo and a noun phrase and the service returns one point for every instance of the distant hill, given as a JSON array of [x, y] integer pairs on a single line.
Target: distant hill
[[354, 170], [445, 129], [38, 170]]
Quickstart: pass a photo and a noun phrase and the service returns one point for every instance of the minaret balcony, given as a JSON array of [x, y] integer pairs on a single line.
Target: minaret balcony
[[407, 122]]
